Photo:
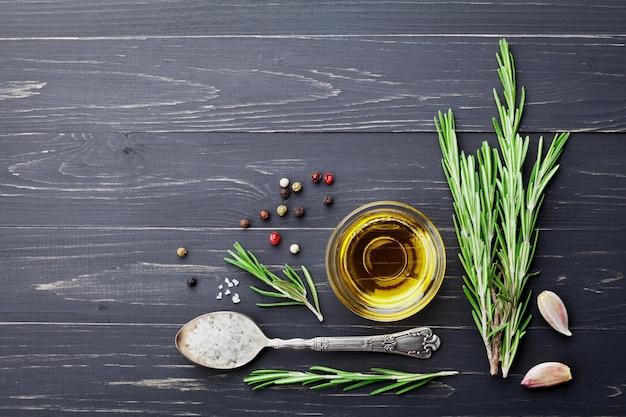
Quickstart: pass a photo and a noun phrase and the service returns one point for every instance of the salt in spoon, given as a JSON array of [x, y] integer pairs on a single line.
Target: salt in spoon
[[228, 340]]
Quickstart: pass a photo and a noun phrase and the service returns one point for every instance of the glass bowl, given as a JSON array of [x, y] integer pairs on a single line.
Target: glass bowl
[[385, 261]]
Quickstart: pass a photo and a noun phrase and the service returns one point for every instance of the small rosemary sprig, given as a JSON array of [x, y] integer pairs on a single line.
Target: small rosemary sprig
[[324, 377], [292, 289], [495, 217]]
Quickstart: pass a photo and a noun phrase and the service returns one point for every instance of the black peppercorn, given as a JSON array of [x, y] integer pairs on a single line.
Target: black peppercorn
[[298, 211], [284, 192], [265, 215], [244, 223], [316, 176], [328, 200], [191, 282]]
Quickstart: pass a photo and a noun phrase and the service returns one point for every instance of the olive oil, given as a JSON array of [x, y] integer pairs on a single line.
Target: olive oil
[[385, 263]]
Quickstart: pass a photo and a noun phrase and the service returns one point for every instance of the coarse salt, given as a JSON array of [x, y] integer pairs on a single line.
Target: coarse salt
[[223, 340]]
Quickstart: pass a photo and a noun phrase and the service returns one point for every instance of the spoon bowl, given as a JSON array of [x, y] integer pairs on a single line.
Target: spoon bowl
[[229, 340]]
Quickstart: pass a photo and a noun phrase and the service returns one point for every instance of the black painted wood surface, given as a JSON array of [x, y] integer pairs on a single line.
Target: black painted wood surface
[[129, 129]]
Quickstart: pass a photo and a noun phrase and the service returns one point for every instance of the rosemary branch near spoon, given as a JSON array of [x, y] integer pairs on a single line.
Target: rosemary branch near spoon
[[323, 377]]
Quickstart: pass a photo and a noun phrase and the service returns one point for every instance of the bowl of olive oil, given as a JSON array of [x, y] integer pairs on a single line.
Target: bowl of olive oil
[[385, 261]]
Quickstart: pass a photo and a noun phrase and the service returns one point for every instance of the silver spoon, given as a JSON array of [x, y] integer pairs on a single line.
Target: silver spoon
[[228, 340]]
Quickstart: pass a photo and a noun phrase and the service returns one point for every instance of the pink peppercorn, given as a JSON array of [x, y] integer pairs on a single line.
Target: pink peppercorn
[[274, 238], [329, 179], [316, 176]]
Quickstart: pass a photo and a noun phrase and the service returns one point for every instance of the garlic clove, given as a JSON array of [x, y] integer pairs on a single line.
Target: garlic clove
[[554, 312], [547, 374]]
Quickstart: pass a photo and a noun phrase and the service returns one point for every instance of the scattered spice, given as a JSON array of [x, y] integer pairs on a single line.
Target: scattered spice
[[227, 291], [296, 187], [191, 282], [316, 177], [329, 178], [265, 214], [284, 193], [298, 211], [182, 252], [274, 238], [284, 182], [281, 210], [244, 223], [294, 248], [328, 200]]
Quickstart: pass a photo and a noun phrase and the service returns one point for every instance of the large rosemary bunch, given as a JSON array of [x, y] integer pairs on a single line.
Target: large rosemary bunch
[[495, 217]]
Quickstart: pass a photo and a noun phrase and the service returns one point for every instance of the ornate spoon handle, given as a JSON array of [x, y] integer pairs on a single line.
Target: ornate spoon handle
[[419, 342]]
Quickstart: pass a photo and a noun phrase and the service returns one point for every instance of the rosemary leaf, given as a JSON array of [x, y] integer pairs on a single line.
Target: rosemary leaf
[[293, 288], [414, 386], [280, 304], [267, 293], [309, 280], [293, 276], [357, 385]]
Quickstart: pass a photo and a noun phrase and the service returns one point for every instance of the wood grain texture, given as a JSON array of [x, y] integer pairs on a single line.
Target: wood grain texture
[[249, 66], [364, 83], [129, 129]]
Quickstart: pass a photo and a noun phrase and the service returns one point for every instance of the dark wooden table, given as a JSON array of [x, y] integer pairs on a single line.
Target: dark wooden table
[[128, 129]]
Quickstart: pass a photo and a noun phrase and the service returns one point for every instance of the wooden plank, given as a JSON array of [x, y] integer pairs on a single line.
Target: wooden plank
[[301, 83], [134, 275], [213, 180], [125, 18]]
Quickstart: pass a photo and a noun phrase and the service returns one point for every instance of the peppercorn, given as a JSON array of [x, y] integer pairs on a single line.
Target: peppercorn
[[296, 187], [191, 282], [294, 248], [284, 182], [316, 176], [274, 238], [244, 223], [265, 214], [281, 210], [328, 200], [182, 252], [329, 179], [298, 211], [284, 193]]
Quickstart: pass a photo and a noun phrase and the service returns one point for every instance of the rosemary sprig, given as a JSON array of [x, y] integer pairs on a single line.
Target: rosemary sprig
[[518, 207], [323, 377], [495, 217], [292, 289], [472, 184]]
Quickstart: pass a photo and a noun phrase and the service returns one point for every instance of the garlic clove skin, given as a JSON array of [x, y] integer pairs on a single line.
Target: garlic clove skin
[[547, 374], [554, 312]]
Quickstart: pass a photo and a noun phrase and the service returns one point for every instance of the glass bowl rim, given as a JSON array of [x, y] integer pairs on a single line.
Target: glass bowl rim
[[366, 311]]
